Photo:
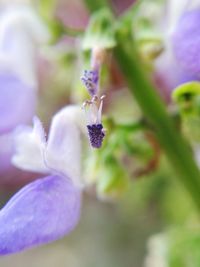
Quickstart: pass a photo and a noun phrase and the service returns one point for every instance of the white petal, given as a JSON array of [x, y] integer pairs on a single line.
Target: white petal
[[193, 4], [63, 152], [30, 145], [21, 30], [176, 8]]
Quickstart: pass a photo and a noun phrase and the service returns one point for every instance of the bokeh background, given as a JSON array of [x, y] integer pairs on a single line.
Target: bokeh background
[[153, 223]]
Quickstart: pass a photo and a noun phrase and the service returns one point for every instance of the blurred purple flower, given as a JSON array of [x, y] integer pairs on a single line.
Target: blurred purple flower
[[49, 208], [21, 31], [176, 64], [186, 42], [15, 98]]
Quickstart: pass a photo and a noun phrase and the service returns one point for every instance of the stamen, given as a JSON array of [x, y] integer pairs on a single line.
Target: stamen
[[93, 108]]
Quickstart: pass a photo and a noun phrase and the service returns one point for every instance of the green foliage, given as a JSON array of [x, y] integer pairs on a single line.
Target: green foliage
[[100, 31], [184, 244], [112, 180]]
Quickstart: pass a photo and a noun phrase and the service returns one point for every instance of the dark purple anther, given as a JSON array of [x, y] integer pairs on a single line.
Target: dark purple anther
[[90, 79], [96, 135]]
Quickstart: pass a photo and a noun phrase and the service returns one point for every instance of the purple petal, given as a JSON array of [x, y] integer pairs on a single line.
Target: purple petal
[[17, 102], [186, 41], [5, 153], [43, 211]]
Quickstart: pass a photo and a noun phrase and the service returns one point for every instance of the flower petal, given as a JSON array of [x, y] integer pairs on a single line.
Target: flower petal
[[41, 212], [6, 151], [63, 152], [186, 42], [175, 8], [17, 102], [30, 144], [21, 30]]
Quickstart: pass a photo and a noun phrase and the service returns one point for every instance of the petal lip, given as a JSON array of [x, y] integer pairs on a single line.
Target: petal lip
[[41, 212]]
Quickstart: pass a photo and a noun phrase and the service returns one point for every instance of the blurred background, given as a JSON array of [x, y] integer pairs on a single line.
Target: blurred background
[[141, 217]]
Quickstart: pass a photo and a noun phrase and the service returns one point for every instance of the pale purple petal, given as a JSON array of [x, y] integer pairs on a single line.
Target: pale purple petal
[[17, 102], [30, 144], [21, 34], [186, 41], [63, 152], [43, 211], [6, 150]]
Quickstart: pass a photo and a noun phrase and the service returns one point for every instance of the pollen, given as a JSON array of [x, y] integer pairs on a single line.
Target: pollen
[[96, 135]]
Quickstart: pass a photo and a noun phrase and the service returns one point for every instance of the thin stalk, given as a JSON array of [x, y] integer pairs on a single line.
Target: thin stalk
[[174, 145]]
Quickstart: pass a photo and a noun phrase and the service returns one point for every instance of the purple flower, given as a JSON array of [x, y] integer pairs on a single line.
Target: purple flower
[[41, 212], [175, 65], [15, 98], [48, 208], [186, 41], [21, 33]]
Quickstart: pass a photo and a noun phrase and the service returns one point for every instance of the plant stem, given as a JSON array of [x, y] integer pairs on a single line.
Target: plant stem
[[174, 145], [176, 149]]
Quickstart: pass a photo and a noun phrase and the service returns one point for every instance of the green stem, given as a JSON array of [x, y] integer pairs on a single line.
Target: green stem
[[174, 145]]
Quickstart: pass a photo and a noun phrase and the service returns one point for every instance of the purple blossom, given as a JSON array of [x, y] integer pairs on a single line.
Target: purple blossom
[[41, 212], [186, 41], [15, 98], [48, 208], [173, 67], [21, 33]]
